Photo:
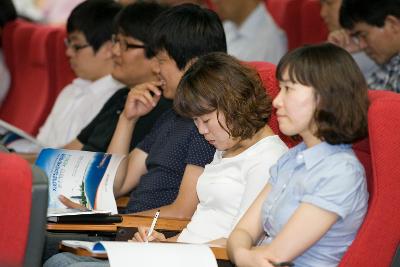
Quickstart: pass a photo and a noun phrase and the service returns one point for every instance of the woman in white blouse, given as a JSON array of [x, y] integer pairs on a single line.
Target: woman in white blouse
[[230, 108]]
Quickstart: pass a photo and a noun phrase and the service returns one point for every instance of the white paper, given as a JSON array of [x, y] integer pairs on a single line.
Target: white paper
[[122, 254], [25, 144]]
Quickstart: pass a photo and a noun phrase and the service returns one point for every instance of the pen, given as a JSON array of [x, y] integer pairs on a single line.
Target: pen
[[282, 264], [153, 224]]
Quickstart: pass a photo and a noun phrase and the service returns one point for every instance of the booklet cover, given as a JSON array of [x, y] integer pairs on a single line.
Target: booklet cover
[[84, 177], [18, 140], [149, 254]]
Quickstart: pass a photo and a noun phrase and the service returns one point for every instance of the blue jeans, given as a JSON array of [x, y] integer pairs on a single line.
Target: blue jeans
[[71, 260]]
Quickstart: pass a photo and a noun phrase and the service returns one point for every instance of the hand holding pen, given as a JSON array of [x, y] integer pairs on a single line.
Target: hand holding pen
[[145, 234], [153, 224]]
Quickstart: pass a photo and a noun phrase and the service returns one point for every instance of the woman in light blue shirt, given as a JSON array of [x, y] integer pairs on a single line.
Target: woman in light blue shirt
[[316, 198]]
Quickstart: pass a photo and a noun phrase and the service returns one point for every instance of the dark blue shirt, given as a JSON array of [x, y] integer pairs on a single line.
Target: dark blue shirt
[[173, 143]]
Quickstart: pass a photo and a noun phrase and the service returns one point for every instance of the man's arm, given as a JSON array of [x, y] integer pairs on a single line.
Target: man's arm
[[138, 103], [186, 202], [74, 145], [129, 172]]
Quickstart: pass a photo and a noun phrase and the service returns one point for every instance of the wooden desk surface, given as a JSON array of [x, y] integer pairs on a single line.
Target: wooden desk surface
[[127, 221]]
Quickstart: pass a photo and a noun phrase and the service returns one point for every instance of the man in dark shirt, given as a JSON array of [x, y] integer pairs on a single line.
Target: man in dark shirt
[[132, 66], [162, 171]]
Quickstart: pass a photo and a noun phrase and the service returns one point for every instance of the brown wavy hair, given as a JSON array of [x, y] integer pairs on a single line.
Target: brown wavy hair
[[339, 86], [220, 82]]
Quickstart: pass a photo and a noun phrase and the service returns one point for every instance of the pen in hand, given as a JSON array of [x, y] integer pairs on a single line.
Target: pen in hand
[[153, 224]]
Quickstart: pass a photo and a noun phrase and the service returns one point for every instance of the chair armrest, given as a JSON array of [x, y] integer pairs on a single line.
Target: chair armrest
[[122, 202]]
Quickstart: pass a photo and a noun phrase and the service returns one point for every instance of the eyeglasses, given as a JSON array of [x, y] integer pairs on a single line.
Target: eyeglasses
[[123, 44], [359, 37], [74, 47]]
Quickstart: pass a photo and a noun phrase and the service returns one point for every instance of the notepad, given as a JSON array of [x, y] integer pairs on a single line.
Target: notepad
[[150, 254]]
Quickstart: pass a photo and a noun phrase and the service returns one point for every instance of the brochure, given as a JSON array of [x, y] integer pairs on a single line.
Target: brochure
[[149, 254], [16, 139], [84, 177]]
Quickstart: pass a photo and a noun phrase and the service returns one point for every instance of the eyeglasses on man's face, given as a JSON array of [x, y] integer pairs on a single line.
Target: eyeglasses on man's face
[[124, 45], [74, 47]]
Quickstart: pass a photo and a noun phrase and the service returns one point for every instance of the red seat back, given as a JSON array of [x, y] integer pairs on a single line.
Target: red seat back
[[16, 201], [313, 29], [29, 100], [60, 71], [267, 74], [379, 235], [286, 14]]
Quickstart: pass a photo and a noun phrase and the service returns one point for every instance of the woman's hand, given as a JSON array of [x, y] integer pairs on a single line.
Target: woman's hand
[[141, 235], [253, 257]]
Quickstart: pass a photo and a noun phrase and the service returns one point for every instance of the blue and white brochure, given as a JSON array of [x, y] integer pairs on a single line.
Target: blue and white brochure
[[84, 177]]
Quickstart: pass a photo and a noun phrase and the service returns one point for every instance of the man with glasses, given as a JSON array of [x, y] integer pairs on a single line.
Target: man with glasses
[[330, 14], [374, 27], [89, 49], [132, 66]]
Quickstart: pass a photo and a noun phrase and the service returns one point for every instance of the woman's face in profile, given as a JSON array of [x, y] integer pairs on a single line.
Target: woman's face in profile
[[213, 127]]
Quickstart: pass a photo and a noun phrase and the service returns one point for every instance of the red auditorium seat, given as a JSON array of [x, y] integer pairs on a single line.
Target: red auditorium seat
[[286, 14], [267, 74], [23, 209], [313, 29], [29, 99], [379, 235], [16, 182], [8, 44], [60, 72]]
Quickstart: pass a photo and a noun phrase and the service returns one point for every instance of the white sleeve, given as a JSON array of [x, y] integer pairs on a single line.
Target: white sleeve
[[256, 177]]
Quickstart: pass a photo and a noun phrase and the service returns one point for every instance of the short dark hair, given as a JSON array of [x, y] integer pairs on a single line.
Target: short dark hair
[[94, 18], [135, 20], [186, 32], [372, 12], [220, 82], [339, 86], [7, 12]]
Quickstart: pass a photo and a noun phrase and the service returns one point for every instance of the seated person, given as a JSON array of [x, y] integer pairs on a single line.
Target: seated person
[[330, 14], [7, 14], [132, 66], [89, 49], [251, 32], [373, 26], [162, 171], [230, 108], [231, 112], [316, 199]]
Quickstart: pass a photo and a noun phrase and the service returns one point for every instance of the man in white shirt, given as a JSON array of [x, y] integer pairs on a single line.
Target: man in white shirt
[[89, 48], [251, 32]]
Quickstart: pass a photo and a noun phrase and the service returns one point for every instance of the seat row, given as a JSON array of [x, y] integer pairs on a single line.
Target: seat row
[[378, 235], [300, 20]]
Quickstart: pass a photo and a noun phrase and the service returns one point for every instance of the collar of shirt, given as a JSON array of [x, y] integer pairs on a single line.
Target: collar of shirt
[[311, 156], [251, 25], [106, 83]]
